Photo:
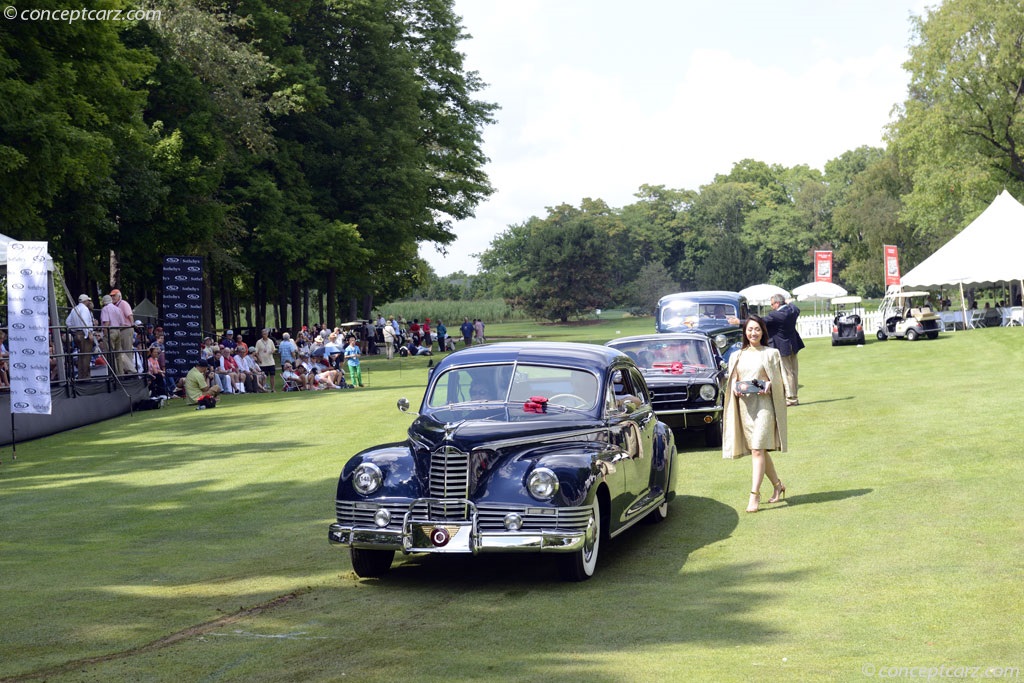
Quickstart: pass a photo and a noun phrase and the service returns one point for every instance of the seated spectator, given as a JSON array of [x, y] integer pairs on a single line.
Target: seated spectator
[[292, 380], [221, 374], [414, 349], [156, 375], [199, 382], [227, 362], [329, 379], [253, 379], [240, 343], [209, 346]]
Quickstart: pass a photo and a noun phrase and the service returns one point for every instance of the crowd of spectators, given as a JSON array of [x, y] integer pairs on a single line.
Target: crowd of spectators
[[110, 340]]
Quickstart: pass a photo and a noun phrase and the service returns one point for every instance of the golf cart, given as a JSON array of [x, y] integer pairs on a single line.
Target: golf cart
[[848, 324], [907, 315]]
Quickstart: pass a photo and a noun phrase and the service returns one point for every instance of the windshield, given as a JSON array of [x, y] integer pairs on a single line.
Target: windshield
[[515, 383], [675, 314], [668, 354]]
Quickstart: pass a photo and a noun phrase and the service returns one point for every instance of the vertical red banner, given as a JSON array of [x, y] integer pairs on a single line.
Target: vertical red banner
[[823, 266], [892, 265]]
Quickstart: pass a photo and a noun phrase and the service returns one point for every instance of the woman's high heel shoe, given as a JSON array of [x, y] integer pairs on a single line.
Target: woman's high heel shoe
[[778, 492], [755, 501]]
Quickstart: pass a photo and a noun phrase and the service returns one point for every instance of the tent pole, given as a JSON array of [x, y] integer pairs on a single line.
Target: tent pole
[[963, 306]]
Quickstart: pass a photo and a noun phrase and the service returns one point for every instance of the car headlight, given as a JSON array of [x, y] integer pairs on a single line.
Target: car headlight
[[542, 483], [367, 478], [707, 392], [722, 342]]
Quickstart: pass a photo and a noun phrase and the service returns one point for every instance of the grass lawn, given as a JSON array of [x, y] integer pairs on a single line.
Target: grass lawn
[[178, 545]]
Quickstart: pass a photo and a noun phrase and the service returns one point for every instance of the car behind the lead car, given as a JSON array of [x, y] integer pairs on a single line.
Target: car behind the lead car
[[525, 447]]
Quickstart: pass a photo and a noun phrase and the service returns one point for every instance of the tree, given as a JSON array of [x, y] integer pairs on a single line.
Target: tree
[[731, 265], [866, 220], [557, 267], [651, 283], [961, 130]]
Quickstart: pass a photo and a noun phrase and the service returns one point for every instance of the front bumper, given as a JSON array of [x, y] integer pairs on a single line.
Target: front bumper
[[422, 534], [689, 418]]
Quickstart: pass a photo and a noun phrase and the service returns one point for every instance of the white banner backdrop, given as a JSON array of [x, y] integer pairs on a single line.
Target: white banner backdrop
[[28, 322]]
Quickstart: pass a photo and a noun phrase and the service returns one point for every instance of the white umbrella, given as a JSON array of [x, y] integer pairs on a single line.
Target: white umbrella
[[761, 295], [818, 291]]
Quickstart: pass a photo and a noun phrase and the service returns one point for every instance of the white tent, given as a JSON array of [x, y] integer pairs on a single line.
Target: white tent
[[818, 291], [987, 252], [761, 295]]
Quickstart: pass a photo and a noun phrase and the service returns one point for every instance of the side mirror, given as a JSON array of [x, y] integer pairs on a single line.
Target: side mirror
[[403, 404]]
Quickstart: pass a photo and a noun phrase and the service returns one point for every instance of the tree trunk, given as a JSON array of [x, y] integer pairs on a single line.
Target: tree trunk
[[332, 297], [305, 307], [115, 269]]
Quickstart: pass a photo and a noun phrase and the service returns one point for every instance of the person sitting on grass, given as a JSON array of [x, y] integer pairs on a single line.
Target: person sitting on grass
[[199, 382], [329, 379]]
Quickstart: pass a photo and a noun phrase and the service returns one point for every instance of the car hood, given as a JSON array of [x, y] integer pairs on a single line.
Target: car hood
[[657, 376], [472, 433]]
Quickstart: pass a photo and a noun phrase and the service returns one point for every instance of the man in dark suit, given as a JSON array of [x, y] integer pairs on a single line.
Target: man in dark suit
[[781, 324]]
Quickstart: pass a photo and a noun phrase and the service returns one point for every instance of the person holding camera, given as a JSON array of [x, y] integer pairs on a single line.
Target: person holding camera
[[754, 420]]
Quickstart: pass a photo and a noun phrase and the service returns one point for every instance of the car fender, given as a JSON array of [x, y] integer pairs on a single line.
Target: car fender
[[398, 465], [578, 466]]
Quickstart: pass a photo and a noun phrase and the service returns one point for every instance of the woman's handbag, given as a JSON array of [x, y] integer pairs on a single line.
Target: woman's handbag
[[754, 386]]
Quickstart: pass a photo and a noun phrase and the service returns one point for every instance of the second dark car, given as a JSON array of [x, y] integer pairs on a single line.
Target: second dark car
[[684, 372]]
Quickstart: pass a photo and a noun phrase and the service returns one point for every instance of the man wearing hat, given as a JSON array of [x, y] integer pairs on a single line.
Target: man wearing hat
[[121, 343], [113, 322], [197, 382], [79, 322]]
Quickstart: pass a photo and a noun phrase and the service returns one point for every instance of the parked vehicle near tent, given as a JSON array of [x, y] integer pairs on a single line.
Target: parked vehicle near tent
[[907, 315], [848, 323]]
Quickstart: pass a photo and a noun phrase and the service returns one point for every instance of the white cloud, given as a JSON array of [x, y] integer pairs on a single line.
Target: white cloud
[[578, 125]]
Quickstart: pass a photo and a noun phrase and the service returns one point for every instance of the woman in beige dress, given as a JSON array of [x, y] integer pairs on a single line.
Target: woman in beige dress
[[756, 423]]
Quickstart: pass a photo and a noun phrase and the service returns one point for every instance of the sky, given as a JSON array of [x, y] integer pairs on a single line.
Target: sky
[[599, 97]]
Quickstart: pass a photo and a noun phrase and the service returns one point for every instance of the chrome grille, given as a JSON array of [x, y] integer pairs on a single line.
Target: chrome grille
[[670, 398], [360, 514], [449, 478], [491, 518]]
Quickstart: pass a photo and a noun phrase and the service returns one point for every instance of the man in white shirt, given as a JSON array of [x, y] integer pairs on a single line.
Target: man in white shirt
[[255, 379], [79, 322]]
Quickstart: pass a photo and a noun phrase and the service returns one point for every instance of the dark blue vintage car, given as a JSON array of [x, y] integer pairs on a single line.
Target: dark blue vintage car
[[707, 312], [518, 447], [685, 373]]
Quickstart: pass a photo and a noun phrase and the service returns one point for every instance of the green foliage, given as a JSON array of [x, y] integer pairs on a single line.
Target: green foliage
[[651, 283], [731, 265], [960, 131], [452, 312], [300, 141]]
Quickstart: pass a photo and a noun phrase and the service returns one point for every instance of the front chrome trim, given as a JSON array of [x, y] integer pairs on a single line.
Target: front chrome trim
[[551, 529], [687, 411]]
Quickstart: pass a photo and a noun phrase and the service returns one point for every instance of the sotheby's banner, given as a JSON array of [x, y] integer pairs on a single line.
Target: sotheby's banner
[[28, 321]]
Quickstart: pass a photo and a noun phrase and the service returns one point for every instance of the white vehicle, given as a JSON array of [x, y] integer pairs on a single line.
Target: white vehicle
[[907, 315]]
